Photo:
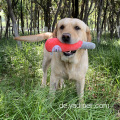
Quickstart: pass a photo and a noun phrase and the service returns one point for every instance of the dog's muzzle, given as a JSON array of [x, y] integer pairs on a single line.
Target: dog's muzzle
[[66, 37]]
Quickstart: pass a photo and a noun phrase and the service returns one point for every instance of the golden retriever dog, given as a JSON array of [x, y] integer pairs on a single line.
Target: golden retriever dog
[[71, 65]]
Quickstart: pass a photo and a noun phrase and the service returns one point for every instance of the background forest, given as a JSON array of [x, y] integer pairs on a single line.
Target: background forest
[[36, 16], [21, 95]]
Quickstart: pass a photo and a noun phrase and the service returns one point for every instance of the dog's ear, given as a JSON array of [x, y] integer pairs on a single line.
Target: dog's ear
[[88, 34], [55, 32]]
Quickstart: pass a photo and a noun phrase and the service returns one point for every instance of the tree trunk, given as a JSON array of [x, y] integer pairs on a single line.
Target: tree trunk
[[7, 25], [118, 17], [18, 24], [13, 20], [31, 18], [38, 22], [0, 27], [86, 11], [99, 20], [49, 17], [104, 17], [82, 9], [95, 18], [55, 20], [73, 8], [111, 20], [46, 20], [9, 31], [76, 8], [118, 23], [35, 15], [112, 11], [22, 19], [63, 9], [69, 12], [46, 9]]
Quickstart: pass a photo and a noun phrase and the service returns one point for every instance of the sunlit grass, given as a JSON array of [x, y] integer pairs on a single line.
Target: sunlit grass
[[23, 98]]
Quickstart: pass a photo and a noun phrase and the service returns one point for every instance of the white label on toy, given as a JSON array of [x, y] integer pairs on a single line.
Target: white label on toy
[[56, 48]]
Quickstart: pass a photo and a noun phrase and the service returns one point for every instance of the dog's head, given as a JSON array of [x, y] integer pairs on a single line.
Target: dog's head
[[70, 31]]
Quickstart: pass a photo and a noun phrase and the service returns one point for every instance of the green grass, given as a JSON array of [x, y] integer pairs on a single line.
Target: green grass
[[22, 98]]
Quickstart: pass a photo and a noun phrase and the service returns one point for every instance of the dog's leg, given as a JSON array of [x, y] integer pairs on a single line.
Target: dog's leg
[[53, 84], [80, 89], [45, 65], [62, 84]]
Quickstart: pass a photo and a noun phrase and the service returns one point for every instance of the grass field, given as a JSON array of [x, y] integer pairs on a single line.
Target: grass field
[[22, 98]]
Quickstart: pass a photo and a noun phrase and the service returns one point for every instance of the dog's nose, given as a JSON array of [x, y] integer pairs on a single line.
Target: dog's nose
[[66, 37]]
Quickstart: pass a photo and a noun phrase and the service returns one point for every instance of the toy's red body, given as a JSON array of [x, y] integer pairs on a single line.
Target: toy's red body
[[54, 45]]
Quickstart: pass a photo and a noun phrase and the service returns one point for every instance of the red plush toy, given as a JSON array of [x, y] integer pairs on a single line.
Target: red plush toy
[[54, 45]]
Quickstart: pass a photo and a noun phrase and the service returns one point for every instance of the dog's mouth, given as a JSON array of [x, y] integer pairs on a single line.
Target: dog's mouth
[[69, 53]]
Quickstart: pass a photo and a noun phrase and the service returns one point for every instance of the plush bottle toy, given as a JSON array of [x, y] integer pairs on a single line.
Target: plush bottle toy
[[54, 45]]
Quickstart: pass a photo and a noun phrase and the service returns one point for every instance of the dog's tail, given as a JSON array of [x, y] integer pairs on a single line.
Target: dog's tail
[[35, 38]]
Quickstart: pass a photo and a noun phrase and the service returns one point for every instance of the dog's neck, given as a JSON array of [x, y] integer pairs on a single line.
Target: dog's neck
[[73, 58], [68, 59]]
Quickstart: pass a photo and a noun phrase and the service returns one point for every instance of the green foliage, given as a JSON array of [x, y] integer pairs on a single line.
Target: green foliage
[[22, 97], [3, 4]]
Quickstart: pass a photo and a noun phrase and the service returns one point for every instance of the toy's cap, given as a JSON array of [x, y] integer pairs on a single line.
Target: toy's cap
[[88, 45]]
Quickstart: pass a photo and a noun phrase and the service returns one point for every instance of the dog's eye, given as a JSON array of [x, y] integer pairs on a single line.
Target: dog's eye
[[77, 28], [62, 27]]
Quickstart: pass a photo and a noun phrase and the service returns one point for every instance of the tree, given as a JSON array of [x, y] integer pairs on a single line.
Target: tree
[[75, 8], [22, 19], [31, 16], [55, 20], [82, 9], [104, 16], [45, 5], [7, 25], [87, 10], [100, 5], [0, 24], [13, 20], [0, 27]]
